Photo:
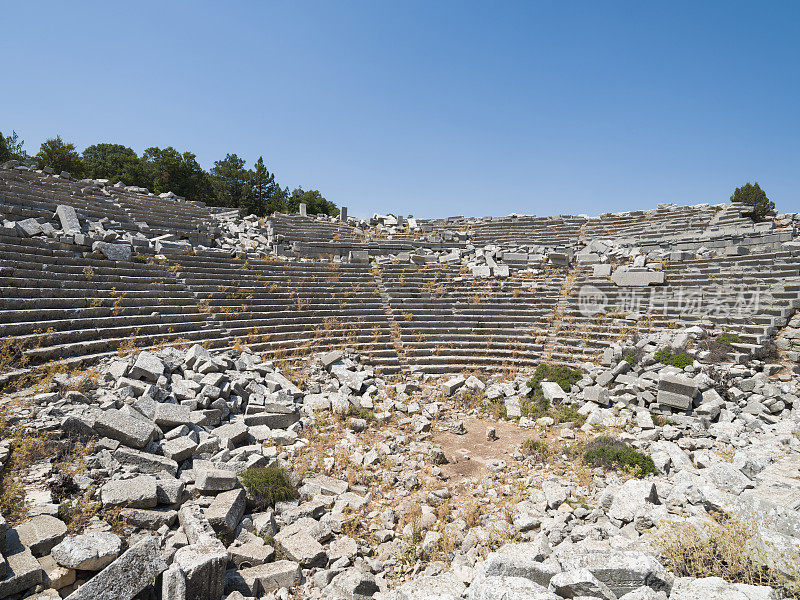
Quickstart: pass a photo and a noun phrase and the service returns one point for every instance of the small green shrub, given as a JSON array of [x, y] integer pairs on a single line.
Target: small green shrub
[[267, 485], [630, 357], [139, 258], [535, 405], [611, 453], [728, 338], [361, 413], [673, 358], [536, 448]]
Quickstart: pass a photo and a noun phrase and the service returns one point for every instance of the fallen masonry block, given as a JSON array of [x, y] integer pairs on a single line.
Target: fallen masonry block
[[147, 366], [203, 567], [580, 582], [116, 425], [451, 385], [69, 219], [623, 277], [263, 579], [553, 392], [215, 480], [179, 449], [171, 415], [304, 549], [138, 492], [226, 511], [113, 251], [23, 571], [597, 394], [88, 552], [123, 579], [146, 462], [41, 533]]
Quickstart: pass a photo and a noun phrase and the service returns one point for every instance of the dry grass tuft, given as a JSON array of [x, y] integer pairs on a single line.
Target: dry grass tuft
[[724, 548]]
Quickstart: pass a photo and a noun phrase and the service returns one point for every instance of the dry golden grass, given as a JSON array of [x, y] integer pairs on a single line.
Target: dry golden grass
[[723, 548]]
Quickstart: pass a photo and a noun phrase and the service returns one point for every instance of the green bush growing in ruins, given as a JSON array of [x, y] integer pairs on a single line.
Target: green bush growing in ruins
[[752, 195], [267, 485], [535, 405], [673, 358], [537, 449], [728, 338], [611, 453]]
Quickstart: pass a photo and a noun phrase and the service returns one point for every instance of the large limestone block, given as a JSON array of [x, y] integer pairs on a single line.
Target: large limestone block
[[88, 552], [128, 430], [123, 579]]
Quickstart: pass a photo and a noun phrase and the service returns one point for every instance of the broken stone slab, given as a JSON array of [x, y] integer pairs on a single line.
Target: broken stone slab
[[226, 511], [303, 549], [597, 394], [138, 492], [203, 566], [29, 227], [622, 571], [632, 497], [250, 554], [88, 552], [148, 367], [553, 392], [128, 575], [263, 579], [179, 449], [716, 588], [330, 358], [215, 480], [69, 219], [23, 572], [131, 431], [625, 277], [170, 415], [118, 252], [55, 576], [41, 533], [580, 582], [453, 384], [323, 484], [146, 462]]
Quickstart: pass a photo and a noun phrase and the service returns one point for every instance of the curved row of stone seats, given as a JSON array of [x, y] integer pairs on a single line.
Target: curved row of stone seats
[[283, 307], [551, 232], [59, 305], [449, 321], [342, 249], [30, 194], [751, 296], [664, 221], [296, 228], [733, 240], [177, 216], [27, 194]]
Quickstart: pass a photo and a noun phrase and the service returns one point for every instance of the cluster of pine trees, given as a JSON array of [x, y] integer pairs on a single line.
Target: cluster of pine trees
[[229, 183]]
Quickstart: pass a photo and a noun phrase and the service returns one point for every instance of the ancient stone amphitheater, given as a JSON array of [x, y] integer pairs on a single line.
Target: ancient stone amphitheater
[[129, 268], [198, 406]]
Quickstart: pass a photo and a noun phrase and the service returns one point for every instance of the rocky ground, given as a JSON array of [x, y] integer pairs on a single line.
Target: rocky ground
[[182, 474]]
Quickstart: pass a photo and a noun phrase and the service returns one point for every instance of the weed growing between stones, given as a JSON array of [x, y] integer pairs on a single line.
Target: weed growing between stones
[[536, 406], [267, 485], [673, 358], [611, 453]]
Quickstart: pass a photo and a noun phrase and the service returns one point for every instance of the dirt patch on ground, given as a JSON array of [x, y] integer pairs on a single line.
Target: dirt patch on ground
[[468, 454]]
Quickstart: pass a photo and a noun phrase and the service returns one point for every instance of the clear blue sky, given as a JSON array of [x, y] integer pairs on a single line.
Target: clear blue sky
[[431, 108]]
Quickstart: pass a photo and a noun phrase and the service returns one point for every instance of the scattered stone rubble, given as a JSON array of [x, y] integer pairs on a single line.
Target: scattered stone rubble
[[172, 429]]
